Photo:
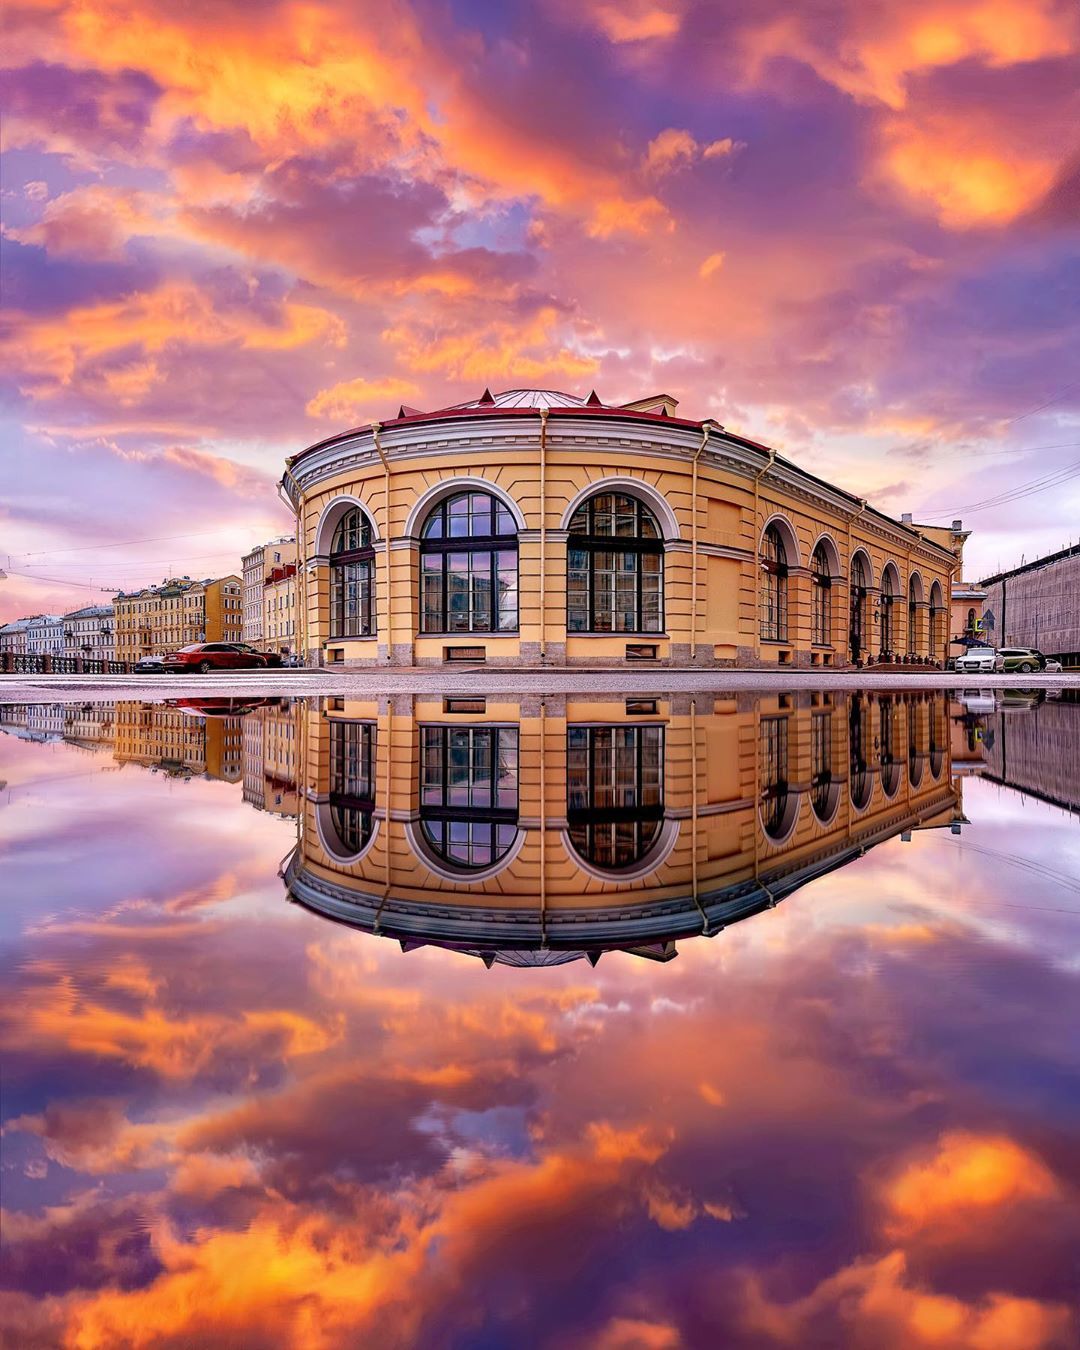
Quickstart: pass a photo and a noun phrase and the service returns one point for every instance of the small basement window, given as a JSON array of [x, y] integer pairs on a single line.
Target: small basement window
[[464, 705], [464, 653], [641, 651]]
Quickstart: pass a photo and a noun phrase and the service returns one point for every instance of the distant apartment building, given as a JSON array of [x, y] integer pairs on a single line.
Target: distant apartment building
[[1037, 605], [45, 635], [280, 609], [178, 612], [89, 632], [13, 637], [256, 566], [179, 743]]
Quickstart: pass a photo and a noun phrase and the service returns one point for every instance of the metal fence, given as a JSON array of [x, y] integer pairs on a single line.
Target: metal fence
[[30, 663]]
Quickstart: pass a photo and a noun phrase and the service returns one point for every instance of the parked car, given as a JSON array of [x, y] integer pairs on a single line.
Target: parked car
[[268, 658], [207, 656], [1023, 659], [976, 661], [1053, 665], [149, 665]]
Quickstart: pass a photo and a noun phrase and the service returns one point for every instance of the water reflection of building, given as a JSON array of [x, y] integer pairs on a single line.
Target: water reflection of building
[[536, 831], [179, 742], [1025, 741]]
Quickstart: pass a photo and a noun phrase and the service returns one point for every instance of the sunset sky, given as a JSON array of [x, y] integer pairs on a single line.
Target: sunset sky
[[848, 1122], [850, 229]]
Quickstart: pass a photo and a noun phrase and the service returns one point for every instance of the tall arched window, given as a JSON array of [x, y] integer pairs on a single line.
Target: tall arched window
[[469, 567], [352, 783], [860, 782], [614, 567], [888, 602], [615, 792], [774, 587], [821, 619], [352, 577], [914, 635], [469, 793], [778, 805], [860, 582], [937, 619], [823, 793]]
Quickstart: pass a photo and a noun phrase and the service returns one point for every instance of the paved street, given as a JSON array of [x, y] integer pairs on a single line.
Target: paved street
[[355, 684]]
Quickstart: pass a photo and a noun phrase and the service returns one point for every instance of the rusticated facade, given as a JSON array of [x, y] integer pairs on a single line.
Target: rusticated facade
[[533, 831], [538, 528]]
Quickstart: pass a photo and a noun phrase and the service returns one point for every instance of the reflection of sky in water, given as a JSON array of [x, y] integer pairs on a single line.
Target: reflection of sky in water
[[851, 1120]]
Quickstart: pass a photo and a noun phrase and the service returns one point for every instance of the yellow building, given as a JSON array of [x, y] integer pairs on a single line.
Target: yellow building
[[180, 611], [280, 609], [539, 528], [180, 741], [533, 831]]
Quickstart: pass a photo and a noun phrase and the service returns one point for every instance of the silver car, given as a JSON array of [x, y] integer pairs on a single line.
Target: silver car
[[976, 661]]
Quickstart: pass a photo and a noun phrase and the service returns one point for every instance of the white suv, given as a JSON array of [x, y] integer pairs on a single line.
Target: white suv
[[977, 661]]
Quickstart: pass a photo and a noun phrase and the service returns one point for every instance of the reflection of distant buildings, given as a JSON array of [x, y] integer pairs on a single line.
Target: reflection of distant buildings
[[1023, 740], [537, 831], [222, 739]]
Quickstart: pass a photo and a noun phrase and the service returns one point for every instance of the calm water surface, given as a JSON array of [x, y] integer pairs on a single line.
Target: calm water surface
[[609, 1025]]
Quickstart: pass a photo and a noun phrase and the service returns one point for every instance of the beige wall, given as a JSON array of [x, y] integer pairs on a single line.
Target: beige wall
[[714, 620]]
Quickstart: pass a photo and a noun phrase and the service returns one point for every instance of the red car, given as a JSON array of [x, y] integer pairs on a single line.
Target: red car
[[207, 656]]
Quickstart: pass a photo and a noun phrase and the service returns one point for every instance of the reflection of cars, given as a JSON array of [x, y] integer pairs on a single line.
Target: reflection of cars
[[149, 665], [977, 701], [220, 707], [207, 656], [1024, 659], [976, 661]]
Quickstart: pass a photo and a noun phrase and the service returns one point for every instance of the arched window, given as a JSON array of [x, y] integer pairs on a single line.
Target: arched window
[[469, 567], [352, 783], [823, 793], [937, 616], [777, 804], [888, 601], [914, 635], [469, 793], [860, 782], [860, 582], [352, 577], [615, 792], [971, 620], [821, 619], [614, 567], [774, 587], [915, 754], [890, 765]]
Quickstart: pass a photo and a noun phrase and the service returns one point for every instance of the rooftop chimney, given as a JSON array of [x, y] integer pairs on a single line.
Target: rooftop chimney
[[905, 519], [957, 525]]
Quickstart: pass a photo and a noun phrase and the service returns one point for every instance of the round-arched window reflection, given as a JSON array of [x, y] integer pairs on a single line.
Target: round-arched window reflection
[[860, 779], [352, 786], [614, 567], [469, 793], [914, 750], [615, 792], [779, 805], [890, 765], [469, 566], [824, 789]]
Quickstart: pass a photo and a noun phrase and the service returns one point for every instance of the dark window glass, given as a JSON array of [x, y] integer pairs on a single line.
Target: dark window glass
[[775, 797], [860, 782], [774, 587], [888, 600], [469, 792], [352, 782], [859, 586], [821, 619], [614, 567], [821, 759], [352, 577], [615, 792], [469, 567]]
